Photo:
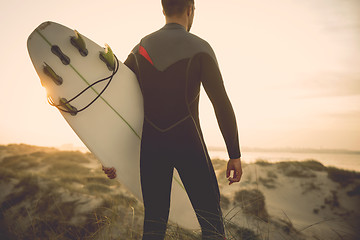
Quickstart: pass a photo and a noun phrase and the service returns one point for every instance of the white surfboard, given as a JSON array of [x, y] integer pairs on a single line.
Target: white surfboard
[[110, 127]]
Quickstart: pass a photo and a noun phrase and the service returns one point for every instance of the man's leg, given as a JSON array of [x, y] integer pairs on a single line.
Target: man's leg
[[197, 174], [201, 185], [156, 179]]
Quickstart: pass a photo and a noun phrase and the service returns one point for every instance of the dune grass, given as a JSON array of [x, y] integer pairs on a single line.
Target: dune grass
[[66, 200], [341, 176], [252, 202], [54, 195], [63, 201]]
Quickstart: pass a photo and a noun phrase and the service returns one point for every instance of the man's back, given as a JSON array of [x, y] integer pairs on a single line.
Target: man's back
[[173, 43], [169, 81], [171, 64]]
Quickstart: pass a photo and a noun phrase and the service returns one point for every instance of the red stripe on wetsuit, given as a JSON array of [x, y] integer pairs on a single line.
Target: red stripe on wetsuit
[[144, 53]]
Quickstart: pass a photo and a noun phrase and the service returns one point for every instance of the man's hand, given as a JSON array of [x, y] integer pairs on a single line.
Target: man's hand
[[110, 172], [235, 166]]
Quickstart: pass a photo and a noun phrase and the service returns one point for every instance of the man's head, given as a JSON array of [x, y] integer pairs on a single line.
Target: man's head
[[178, 9]]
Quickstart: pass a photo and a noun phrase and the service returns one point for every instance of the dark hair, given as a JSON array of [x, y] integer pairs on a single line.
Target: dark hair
[[175, 7]]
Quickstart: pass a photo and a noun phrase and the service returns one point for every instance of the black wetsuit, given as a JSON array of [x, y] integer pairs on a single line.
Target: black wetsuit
[[170, 65]]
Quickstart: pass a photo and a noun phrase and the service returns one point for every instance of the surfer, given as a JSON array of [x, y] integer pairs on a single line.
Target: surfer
[[170, 65]]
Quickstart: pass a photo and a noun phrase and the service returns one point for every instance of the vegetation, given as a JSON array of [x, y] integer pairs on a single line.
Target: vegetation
[[343, 177], [309, 186], [55, 196], [299, 169], [252, 202], [241, 233], [262, 162], [50, 194], [355, 191]]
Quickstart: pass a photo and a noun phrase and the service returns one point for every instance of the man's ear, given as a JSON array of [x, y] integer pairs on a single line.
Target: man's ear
[[188, 10]]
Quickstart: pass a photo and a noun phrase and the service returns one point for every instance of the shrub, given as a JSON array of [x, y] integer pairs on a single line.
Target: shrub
[[262, 162], [309, 186], [241, 233], [313, 165], [295, 169], [252, 202], [341, 176], [355, 191], [332, 200]]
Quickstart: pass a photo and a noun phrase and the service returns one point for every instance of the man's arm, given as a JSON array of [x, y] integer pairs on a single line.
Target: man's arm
[[214, 86], [130, 62]]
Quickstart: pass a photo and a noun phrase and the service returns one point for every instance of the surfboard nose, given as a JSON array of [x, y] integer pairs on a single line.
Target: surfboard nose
[[42, 26]]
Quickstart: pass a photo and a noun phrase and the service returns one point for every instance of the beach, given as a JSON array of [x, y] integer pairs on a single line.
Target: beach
[[46, 193]]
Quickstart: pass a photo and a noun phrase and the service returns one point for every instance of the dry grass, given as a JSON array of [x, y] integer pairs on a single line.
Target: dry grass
[[343, 177], [63, 200], [252, 202], [53, 195]]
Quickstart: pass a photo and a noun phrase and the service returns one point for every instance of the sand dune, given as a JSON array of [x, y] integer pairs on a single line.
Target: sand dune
[[50, 194], [309, 200]]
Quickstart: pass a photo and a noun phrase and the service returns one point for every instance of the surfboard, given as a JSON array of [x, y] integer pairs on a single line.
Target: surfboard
[[101, 100]]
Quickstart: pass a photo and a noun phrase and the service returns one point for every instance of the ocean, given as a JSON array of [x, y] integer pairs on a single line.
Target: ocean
[[340, 159], [348, 161]]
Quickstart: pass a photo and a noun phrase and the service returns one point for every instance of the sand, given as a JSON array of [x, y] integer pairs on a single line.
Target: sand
[[287, 200], [313, 204]]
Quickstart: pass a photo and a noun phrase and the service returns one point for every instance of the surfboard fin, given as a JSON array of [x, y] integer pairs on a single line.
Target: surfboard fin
[[51, 73], [108, 57], [70, 109], [78, 42]]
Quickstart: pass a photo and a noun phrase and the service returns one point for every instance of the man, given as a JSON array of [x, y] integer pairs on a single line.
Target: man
[[170, 65]]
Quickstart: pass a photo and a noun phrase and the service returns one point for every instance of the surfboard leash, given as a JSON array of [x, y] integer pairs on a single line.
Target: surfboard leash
[[71, 109]]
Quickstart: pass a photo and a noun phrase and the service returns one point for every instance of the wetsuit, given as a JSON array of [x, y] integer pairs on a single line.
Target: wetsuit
[[170, 65]]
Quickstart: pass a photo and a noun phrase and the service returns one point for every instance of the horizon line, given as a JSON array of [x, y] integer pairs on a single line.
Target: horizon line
[[218, 148]]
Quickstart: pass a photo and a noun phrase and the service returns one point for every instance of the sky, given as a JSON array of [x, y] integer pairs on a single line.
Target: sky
[[291, 68]]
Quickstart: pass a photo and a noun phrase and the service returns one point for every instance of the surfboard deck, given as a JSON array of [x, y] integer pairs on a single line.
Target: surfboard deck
[[111, 126]]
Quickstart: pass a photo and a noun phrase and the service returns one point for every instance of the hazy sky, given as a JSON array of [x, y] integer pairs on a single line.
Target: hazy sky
[[291, 67]]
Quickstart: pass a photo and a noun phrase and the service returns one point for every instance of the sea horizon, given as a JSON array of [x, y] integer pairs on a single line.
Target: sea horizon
[[341, 158]]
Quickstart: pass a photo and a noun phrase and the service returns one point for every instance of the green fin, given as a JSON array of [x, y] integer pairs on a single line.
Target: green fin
[[108, 57], [72, 110], [51, 73], [79, 43]]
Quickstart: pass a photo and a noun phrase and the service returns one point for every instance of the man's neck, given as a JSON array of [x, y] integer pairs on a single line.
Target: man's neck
[[179, 20]]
